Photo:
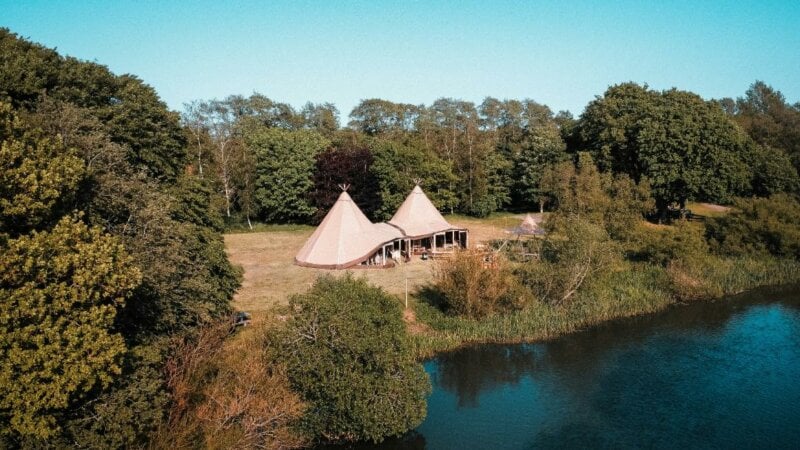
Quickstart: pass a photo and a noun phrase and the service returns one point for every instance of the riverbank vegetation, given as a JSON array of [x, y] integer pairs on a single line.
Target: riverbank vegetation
[[582, 276], [115, 289], [347, 354]]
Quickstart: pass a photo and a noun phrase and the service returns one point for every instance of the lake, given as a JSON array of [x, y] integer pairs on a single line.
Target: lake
[[723, 374]]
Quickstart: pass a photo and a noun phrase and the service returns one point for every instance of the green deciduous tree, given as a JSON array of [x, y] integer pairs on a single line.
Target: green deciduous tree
[[575, 253], [347, 354], [686, 147], [285, 165], [770, 120], [397, 167], [580, 190], [540, 147], [59, 294]]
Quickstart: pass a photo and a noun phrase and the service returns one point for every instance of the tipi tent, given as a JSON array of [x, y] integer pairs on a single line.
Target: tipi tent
[[424, 226], [528, 226], [417, 216], [345, 238]]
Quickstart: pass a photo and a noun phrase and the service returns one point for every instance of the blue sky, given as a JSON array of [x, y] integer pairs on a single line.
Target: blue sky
[[558, 53]]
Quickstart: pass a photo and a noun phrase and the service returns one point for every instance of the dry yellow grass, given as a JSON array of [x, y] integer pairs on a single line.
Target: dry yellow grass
[[270, 275], [708, 209]]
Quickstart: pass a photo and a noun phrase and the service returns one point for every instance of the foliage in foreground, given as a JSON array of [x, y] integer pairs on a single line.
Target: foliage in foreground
[[347, 354], [228, 393], [110, 248], [59, 293]]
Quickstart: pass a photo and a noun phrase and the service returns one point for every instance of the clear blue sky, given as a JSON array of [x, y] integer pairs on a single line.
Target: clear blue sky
[[558, 53]]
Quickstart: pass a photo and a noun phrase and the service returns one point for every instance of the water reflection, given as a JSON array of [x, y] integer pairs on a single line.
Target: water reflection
[[470, 371], [719, 374], [496, 365]]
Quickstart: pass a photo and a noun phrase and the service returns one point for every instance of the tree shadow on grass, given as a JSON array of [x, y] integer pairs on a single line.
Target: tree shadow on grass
[[431, 296]]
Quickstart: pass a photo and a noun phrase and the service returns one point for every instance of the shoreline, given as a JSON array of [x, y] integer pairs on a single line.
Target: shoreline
[[459, 333]]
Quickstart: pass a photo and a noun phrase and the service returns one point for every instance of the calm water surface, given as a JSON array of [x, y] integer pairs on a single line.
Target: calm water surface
[[708, 375]]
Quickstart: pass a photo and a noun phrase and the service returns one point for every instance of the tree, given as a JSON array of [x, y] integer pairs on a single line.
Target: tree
[[36, 175], [285, 164], [60, 292], [541, 147], [347, 354], [82, 138], [131, 111], [769, 119], [218, 118], [574, 253], [580, 190], [375, 116], [398, 167], [324, 118], [137, 118], [348, 165], [686, 147], [772, 171]]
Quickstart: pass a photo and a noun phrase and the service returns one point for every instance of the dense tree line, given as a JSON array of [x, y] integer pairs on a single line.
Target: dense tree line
[[108, 250], [477, 159]]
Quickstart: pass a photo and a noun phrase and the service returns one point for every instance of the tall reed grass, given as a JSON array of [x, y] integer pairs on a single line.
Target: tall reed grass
[[636, 289]]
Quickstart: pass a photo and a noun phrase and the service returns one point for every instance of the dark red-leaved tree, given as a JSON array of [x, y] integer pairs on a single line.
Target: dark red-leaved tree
[[345, 164]]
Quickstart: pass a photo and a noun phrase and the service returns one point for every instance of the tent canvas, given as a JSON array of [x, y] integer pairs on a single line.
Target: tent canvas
[[417, 217], [345, 238], [528, 226]]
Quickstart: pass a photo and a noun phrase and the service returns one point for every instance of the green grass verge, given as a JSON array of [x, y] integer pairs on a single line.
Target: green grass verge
[[262, 227]]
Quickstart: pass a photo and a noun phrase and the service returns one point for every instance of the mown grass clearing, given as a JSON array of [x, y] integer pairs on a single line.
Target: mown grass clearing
[[270, 275]]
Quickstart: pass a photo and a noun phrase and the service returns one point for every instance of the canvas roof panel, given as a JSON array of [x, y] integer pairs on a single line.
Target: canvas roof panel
[[344, 238], [417, 216]]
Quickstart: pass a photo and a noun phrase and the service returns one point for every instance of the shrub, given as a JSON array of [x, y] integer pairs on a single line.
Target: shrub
[[474, 287], [759, 225], [681, 241], [347, 353], [227, 393], [575, 252]]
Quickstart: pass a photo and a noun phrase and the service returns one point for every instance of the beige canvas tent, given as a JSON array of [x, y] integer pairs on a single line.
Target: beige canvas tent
[[424, 227], [346, 238], [528, 226]]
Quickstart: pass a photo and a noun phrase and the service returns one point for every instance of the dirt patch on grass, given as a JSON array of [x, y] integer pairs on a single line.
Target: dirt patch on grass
[[414, 327]]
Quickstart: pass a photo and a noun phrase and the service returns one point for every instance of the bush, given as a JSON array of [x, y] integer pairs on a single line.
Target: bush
[[347, 353], [681, 241], [758, 226], [470, 286], [227, 393], [575, 252]]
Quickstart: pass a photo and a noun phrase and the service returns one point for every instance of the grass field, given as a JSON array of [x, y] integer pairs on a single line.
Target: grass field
[[270, 275]]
